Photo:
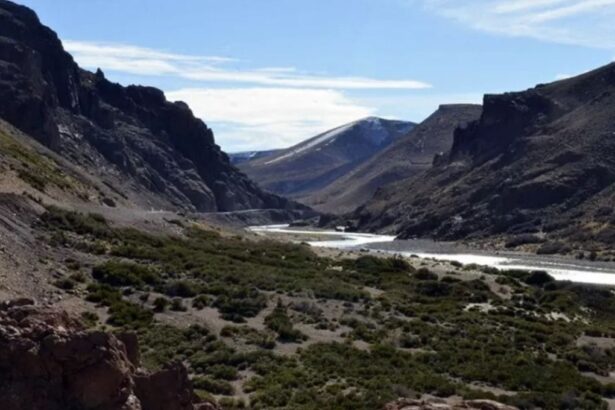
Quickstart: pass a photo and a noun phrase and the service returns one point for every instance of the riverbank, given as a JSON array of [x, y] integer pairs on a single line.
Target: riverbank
[[561, 268]]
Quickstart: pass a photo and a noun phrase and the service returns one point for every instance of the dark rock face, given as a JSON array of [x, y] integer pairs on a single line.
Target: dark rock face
[[537, 161], [155, 146], [409, 155], [49, 362], [168, 389]]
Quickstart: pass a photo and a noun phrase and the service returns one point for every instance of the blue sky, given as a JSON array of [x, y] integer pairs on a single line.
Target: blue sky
[[269, 73]]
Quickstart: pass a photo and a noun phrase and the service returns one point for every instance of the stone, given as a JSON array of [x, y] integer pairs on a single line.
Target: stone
[[49, 352]]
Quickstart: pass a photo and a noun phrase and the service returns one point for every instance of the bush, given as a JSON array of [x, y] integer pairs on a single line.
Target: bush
[[78, 277], [236, 303], [65, 284], [177, 305], [522, 239], [279, 322], [123, 313], [425, 274], [223, 372], [117, 273], [212, 386], [181, 288], [433, 288], [551, 248], [34, 180], [160, 304], [89, 318], [538, 278], [200, 302], [83, 224]]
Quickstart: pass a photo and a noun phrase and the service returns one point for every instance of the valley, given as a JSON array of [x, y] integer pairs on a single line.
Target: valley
[[462, 262], [250, 317], [560, 268]]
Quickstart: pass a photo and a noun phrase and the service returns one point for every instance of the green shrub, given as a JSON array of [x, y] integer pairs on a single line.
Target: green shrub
[[551, 248], [237, 303], [223, 372], [181, 288], [116, 273], [78, 277], [160, 304], [89, 318], [200, 302], [65, 284], [212, 386], [177, 305], [279, 322], [425, 274], [83, 224]]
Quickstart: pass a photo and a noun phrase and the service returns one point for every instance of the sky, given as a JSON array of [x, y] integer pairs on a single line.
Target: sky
[[270, 73]]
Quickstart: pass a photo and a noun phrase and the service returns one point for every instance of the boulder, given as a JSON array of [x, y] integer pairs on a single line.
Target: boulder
[[433, 403], [49, 361]]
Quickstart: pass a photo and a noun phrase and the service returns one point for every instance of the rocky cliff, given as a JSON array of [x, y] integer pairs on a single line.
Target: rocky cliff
[[408, 155], [48, 361], [155, 150], [537, 162]]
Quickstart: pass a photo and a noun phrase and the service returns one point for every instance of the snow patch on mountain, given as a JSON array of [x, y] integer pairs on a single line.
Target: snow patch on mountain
[[327, 136]]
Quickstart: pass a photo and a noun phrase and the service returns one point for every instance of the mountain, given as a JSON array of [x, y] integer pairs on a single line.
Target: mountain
[[311, 165], [153, 151], [239, 157], [406, 156], [538, 162]]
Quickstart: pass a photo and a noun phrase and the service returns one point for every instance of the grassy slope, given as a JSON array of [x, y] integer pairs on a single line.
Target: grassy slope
[[402, 329]]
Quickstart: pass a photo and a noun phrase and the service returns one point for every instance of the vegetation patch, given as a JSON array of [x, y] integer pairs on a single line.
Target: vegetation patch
[[414, 331], [279, 322]]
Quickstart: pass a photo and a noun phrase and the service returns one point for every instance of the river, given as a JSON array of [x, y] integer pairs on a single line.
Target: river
[[561, 268]]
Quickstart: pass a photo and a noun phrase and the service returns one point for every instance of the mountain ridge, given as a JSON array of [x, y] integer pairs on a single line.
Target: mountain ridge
[[408, 155], [160, 154], [537, 162], [314, 163]]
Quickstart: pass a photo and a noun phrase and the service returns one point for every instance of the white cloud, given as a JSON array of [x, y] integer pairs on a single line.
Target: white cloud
[[143, 61], [577, 22], [255, 108], [263, 118]]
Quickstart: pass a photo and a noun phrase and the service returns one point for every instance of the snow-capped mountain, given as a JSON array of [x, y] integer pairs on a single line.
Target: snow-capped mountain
[[319, 161]]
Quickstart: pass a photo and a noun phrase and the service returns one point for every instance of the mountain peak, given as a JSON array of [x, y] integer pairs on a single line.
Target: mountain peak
[[318, 161]]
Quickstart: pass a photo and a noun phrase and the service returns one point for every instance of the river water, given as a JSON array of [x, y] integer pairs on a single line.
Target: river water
[[600, 273]]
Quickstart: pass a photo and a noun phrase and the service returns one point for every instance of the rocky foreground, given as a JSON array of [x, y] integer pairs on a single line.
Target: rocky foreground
[[433, 403], [48, 361], [48, 351]]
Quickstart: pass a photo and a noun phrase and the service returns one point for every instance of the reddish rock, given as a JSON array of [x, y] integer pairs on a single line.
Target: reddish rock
[[131, 343], [168, 389], [432, 403], [48, 361]]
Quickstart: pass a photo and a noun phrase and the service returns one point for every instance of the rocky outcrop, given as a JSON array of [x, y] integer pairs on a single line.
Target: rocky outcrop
[[154, 149], [48, 361], [440, 404], [540, 161], [409, 155]]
